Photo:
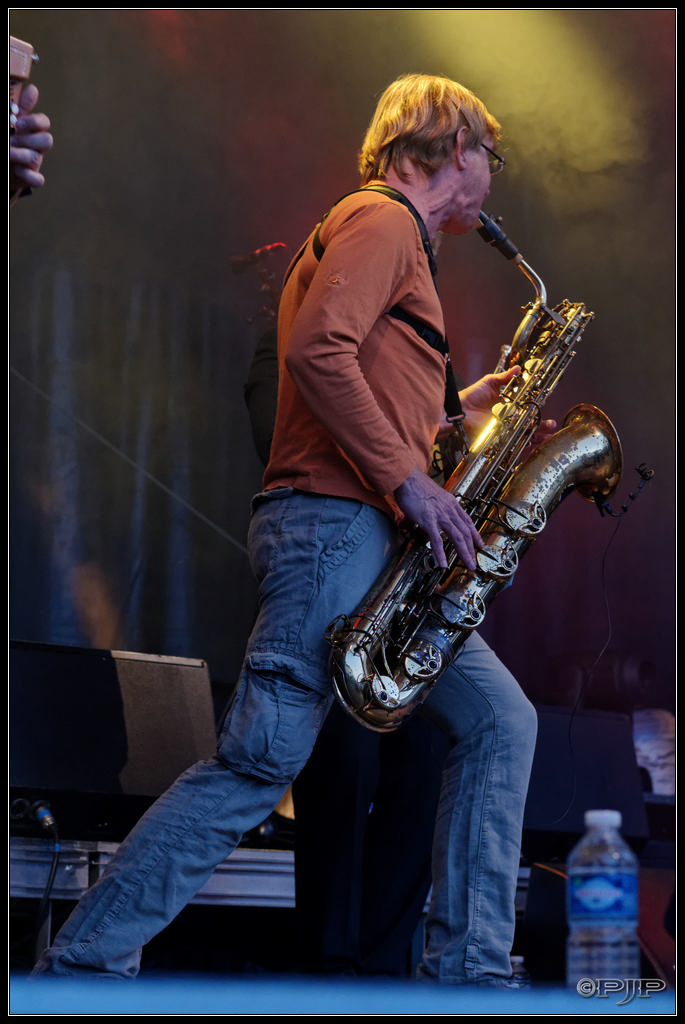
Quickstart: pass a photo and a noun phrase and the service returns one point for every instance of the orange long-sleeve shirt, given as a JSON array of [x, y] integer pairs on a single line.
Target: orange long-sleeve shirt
[[361, 394]]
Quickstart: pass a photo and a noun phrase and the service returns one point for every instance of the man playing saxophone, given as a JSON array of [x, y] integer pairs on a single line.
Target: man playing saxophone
[[361, 400]]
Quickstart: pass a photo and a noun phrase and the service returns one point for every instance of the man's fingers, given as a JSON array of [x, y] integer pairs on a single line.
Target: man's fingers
[[459, 529], [438, 549], [439, 513]]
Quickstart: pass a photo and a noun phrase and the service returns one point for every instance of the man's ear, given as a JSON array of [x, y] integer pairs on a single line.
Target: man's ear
[[460, 147]]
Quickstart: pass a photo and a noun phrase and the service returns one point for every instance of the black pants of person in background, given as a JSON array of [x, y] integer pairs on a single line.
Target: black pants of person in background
[[364, 813]]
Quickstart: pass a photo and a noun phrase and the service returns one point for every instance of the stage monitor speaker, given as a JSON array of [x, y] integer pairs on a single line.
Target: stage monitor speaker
[[583, 760], [99, 734]]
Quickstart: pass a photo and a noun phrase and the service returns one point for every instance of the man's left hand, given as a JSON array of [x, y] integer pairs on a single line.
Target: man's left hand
[[478, 399]]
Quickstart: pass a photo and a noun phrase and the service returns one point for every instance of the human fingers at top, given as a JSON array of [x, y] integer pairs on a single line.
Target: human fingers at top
[[31, 126], [30, 140]]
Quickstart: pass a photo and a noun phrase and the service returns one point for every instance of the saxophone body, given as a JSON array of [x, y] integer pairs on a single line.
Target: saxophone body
[[390, 652]]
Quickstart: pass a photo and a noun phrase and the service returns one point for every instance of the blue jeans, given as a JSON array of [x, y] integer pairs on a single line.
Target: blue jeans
[[315, 557]]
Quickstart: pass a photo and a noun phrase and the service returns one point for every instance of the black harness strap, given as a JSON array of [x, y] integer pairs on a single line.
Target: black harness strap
[[432, 337]]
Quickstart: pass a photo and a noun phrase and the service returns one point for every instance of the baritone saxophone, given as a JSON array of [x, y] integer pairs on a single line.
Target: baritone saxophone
[[390, 652]]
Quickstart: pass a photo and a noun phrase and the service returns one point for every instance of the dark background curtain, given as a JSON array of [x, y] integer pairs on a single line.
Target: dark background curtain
[[186, 137]]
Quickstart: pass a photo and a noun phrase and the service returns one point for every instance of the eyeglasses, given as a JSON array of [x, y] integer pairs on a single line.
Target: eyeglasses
[[495, 162]]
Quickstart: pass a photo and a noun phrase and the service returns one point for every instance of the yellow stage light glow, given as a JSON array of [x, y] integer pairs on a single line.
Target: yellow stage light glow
[[570, 115]]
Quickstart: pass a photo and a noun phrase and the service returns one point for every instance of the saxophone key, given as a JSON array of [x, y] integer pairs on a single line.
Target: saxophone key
[[466, 612], [385, 691], [525, 519], [497, 561], [429, 653]]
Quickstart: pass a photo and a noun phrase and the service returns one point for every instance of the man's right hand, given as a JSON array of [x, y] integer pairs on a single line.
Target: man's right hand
[[437, 511]]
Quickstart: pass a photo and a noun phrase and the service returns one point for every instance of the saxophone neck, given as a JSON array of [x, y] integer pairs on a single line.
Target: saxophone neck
[[533, 313], [536, 281], [492, 234]]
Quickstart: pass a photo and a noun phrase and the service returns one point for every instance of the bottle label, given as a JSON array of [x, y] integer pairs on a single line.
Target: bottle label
[[605, 895]]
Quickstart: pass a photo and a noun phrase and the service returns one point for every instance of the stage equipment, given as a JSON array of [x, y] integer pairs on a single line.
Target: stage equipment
[[97, 735], [584, 759], [387, 656]]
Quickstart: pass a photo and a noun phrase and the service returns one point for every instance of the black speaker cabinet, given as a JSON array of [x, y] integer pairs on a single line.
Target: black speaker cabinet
[[583, 760], [99, 734]]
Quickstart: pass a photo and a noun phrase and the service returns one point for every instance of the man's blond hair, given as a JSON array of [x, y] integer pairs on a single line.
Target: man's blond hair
[[417, 118]]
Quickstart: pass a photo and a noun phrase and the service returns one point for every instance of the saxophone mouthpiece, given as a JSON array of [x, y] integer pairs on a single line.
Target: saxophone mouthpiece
[[492, 233]]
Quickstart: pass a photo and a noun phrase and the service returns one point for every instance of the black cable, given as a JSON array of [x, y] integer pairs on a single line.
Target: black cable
[[587, 680], [646, 475], [41, 812]]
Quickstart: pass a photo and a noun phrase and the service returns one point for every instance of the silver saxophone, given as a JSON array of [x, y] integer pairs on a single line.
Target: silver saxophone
[[389, 653]]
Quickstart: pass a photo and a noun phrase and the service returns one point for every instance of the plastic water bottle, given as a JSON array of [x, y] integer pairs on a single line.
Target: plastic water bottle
[[602, 904], [520, 978]]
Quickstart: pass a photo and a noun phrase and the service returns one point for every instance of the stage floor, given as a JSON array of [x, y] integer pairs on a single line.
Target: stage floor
[[267, 996]]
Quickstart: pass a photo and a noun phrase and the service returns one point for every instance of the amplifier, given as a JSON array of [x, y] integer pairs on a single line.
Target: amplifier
[[583, 760], [99, 734]]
